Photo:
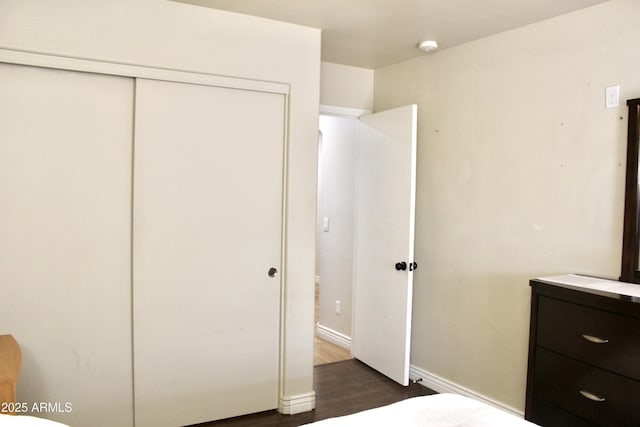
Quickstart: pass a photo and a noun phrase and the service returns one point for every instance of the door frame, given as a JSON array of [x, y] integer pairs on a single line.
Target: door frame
[[287, 404], [355, 114]]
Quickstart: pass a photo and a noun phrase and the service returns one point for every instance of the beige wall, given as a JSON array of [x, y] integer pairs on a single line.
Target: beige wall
[[346, 86], [520, 175], [178, 36]]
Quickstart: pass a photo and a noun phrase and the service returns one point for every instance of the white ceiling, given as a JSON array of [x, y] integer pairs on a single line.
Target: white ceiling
[[375, 33]]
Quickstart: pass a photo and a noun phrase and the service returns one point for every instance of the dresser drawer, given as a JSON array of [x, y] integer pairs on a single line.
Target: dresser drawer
[[596, 395], [606, 340], [549, 415]]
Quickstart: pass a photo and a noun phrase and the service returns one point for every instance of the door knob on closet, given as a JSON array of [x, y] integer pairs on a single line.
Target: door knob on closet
[[273, 272], [401, 266]]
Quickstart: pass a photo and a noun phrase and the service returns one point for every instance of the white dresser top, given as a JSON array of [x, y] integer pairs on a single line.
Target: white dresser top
[[596, 284]]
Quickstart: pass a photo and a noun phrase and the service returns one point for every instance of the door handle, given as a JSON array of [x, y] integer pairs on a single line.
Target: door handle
[[595, 340], [402, 266], [273, 272], [591, 396]]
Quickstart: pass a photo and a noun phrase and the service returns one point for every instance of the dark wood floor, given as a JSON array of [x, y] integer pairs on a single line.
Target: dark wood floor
[[341, 388]]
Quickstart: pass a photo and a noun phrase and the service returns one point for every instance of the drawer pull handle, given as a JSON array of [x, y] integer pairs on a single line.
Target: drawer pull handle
[[592, 396], [595, 340]]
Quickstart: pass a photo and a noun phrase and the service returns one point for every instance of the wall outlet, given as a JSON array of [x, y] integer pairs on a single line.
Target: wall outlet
[[325, 224], [338, 307]]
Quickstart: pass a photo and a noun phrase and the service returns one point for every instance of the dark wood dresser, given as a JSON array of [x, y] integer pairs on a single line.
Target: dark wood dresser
[[584, 353]]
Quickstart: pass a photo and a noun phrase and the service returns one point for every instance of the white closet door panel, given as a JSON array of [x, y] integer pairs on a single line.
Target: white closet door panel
[[207, 228], [65, 231]]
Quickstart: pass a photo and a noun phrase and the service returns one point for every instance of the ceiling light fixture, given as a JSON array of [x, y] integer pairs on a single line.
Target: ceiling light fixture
[[428, 45]]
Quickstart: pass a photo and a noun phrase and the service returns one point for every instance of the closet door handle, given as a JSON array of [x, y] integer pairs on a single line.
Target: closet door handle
[[273, 272], [591, 396], [595, 340]]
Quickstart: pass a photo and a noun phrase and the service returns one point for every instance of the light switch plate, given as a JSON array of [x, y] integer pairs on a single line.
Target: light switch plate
[[613, 96]]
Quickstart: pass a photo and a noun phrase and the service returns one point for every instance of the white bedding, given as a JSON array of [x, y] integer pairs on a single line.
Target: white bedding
[[438, 410], [26, 421]]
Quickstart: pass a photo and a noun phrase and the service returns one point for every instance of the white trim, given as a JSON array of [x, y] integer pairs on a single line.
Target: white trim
[[284, 254], [138, 71], [347, 112], [333, 337], [291, 405], [442, 385]]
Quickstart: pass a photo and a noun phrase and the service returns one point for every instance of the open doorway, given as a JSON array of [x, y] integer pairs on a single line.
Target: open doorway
[[335, 238], [367, 208]]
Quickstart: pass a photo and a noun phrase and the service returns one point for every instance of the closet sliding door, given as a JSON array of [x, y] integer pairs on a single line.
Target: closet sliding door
[[207, 245], [65, 241]]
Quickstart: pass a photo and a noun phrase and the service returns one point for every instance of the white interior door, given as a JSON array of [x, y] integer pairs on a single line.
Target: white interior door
[[65, 240], [207, 229], [385, 215]]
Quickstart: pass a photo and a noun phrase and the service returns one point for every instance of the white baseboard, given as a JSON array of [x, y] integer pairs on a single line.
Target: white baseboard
[[334, 337], [292, 405], [442, 385]]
